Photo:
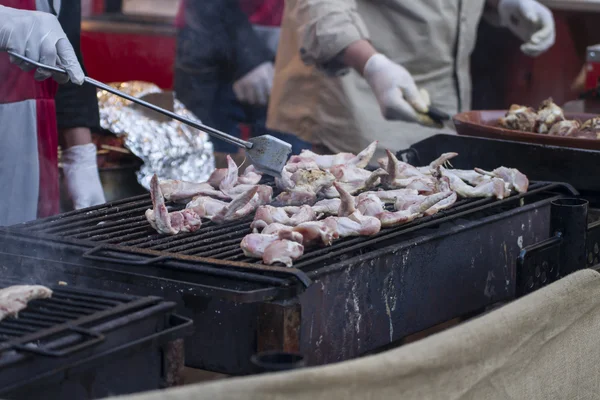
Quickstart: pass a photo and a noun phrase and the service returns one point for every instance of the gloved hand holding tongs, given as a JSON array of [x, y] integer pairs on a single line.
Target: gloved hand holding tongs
[[39, 37], [267, 153], [394, 88]]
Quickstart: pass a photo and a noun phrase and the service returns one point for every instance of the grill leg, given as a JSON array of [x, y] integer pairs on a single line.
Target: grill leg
[[174, 363], [279, 327]]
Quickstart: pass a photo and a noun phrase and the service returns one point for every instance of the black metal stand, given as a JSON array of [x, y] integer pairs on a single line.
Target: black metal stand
[[569, 218], [563, 253], [275, 361]]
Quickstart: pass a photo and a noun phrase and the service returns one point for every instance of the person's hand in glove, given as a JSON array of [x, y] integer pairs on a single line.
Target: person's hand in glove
[[80, 168], [39, 36], [531, 22], [254, 88], [396, 91]]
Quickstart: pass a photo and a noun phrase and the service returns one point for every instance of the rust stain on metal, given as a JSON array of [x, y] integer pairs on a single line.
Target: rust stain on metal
[[174, 363], [279, 327]]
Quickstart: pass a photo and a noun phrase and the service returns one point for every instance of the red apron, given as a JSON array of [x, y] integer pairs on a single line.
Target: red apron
[[18, 86]]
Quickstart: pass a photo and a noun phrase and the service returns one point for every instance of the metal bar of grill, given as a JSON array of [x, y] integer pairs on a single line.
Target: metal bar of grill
[[68, 310], [124, 226]]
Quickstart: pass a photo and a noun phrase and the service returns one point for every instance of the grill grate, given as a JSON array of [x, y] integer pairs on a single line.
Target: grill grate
[[123, 224], [69, 310]]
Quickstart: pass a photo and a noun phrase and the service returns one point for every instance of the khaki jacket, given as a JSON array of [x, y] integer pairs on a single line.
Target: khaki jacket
[[433, 39]]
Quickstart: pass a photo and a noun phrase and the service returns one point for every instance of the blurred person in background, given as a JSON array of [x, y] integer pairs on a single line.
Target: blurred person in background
[[349, 72], [224, 66], [35, 113]]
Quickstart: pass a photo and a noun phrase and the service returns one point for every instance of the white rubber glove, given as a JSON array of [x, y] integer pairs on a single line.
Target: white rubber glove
[[396, 91], [531, 22], [39, 36], [80, 168], [255, 87]]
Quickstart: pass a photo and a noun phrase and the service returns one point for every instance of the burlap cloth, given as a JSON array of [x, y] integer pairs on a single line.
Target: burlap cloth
[[543, 346]]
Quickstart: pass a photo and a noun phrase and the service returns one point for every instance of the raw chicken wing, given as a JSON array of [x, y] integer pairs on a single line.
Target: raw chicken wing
[[492, 188], [316, 232], [255, 244], [169, 223], [394, 218], [512, 176], [182, 191], [283, 251], [15, 298]]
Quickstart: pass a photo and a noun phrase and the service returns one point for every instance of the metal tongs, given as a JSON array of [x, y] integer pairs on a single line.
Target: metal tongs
[[437, 115], [267, 153]]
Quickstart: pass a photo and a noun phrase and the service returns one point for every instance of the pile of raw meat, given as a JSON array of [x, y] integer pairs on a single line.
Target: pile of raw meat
[[550, 120], [323, 198]]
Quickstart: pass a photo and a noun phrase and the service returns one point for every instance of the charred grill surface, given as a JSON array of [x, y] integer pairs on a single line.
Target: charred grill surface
[[122, 225]]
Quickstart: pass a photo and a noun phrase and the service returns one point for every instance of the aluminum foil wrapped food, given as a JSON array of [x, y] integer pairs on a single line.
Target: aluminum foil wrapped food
[[168, 148]]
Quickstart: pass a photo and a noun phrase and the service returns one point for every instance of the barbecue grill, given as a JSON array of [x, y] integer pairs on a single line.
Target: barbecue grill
[[336, 303], [86, 344]]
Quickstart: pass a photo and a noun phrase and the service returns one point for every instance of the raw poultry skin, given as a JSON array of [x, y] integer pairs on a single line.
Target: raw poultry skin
[[361, 160], [182, 191], [415, 210], [167, 223], [492, 188], [365, 214], [266, 215], [255, 244], [317, 232], [355, 186], [15, 298], [283, 251], [472, 177], [514, 179], [403, 175], [302, 186], [351, 200], [325, 206]]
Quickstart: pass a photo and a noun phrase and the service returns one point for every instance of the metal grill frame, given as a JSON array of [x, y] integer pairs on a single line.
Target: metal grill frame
[[308, 267], [71, 319], [266, 317], [108, 343]]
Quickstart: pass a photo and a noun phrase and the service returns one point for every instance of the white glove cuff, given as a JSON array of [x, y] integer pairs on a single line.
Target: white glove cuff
[[82, 156], [374, 64]]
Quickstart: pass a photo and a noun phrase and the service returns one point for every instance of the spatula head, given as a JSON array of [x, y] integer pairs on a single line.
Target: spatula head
[[269, 154]]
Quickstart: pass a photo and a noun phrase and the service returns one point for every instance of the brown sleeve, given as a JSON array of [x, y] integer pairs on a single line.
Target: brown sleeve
[[325, 28]]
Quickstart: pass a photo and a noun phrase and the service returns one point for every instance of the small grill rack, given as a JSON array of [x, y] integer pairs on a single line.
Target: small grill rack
[[68, 311], [119, 232], [85, 344]]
